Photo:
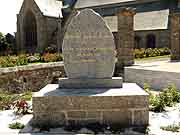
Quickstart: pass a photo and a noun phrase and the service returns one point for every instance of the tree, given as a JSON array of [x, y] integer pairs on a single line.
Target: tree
[[6, 44]]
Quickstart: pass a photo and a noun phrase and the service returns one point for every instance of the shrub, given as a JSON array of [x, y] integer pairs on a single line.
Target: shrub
[[166, 51], [22, 60], [34, 58], [148, 89], [175, 94], [6, 100], [139, 53], [172, 128], [150, 52], [158, 104], [8, 61], [16, 125], [50, 50], [168, 97], [51, 57], [11, 61]]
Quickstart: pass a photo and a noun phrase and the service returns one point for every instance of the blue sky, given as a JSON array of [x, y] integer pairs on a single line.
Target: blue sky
[[8, 11]]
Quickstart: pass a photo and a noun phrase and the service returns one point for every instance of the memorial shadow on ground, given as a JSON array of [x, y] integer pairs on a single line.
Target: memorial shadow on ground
[[95, 128]]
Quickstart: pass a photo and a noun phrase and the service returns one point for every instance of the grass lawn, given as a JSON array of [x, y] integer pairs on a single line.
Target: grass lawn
[[154, 58]]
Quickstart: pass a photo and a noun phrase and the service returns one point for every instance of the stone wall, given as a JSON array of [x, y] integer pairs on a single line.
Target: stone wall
[[157, 79], [30, 77]]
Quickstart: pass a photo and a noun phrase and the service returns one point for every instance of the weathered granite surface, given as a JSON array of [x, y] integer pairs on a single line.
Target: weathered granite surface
[[127, 106], [115, 82], [88, 47], [89, 53]]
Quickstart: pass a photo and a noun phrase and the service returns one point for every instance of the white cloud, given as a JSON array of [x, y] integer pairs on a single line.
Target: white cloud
[[8, 11]]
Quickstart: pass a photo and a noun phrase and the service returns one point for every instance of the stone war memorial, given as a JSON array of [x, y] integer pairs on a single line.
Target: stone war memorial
[[90, 94]]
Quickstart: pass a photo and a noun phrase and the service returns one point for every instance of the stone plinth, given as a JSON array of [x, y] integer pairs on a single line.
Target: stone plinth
[[127, 106], [115, 82]]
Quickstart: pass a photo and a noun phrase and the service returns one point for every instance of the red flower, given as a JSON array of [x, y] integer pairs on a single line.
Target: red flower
[[23, 104]]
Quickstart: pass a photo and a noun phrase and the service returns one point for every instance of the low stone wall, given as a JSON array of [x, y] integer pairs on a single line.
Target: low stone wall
[[158, 80], [30, 77]]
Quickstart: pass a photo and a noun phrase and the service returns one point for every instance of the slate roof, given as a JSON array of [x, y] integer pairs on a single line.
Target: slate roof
[[51, 8], [154, 20], [93, 3]]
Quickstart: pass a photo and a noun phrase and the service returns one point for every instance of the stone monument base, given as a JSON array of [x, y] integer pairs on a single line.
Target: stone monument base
[[68, 83], [126, 106]]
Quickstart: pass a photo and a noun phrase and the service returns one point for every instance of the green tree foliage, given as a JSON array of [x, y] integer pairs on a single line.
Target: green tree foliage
[[7, 42]]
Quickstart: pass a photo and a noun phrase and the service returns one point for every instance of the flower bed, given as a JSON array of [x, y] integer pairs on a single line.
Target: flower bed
[[24, 59], [150, 52]]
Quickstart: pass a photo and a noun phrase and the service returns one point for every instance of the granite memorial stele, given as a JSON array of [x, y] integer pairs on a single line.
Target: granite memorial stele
[[90, 94]]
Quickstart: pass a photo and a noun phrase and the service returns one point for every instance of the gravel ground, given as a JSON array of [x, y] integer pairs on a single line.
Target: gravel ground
[[171, 116]]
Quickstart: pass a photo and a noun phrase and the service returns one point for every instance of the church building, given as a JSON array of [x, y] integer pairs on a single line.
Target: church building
[[40, 22], [151, 22], [39, 25]]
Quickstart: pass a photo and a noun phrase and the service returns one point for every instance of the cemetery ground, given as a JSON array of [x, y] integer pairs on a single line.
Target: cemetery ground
[[16, 109], [16, 112]]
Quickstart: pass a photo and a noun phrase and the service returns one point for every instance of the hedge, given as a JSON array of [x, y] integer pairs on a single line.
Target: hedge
[[24, 59], [151, 52]]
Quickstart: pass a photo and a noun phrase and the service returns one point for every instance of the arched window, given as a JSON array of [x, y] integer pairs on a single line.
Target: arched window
[[137, 42], [30, 32], [151, 41]]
